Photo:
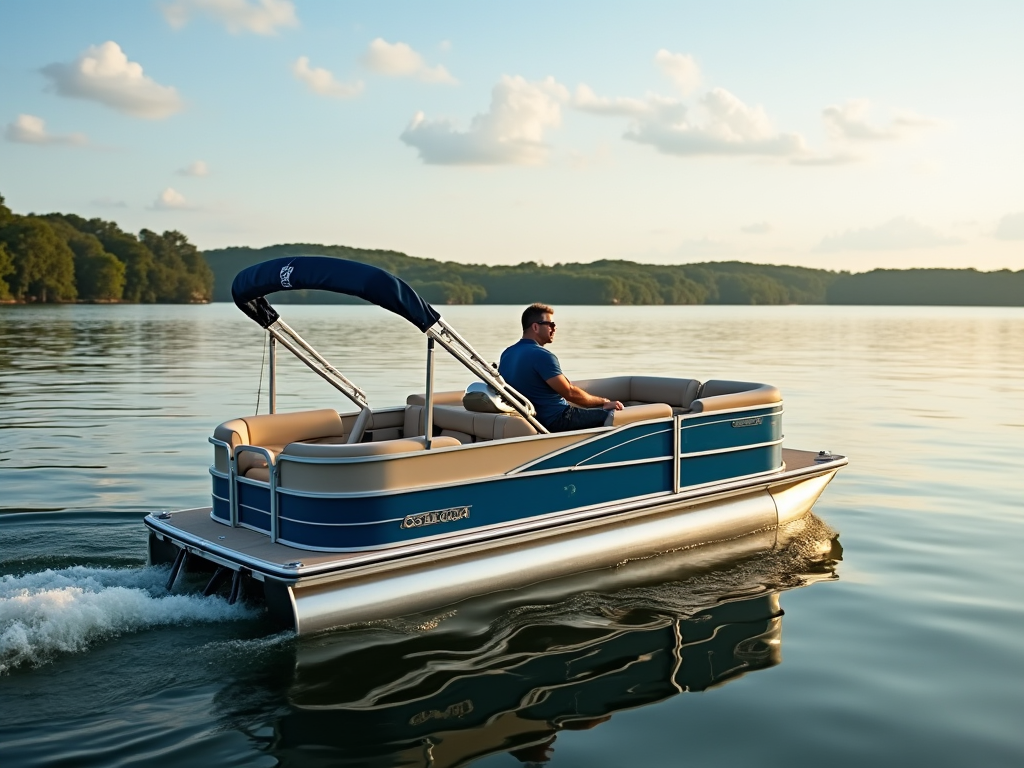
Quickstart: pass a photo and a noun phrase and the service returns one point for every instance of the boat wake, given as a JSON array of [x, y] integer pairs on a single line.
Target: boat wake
[[53, 612]]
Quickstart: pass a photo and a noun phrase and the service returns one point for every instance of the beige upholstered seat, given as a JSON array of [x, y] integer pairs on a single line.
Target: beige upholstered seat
[[274, 431], [639, 390], [634, 413], [320, 450], [451, 419], [457, 422], [719, 395], [381, 448]]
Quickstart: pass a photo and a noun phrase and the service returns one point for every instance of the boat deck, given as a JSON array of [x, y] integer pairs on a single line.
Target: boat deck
[[196, 528]]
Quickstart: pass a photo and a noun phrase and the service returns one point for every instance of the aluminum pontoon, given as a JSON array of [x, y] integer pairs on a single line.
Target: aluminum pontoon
[[336, 518]]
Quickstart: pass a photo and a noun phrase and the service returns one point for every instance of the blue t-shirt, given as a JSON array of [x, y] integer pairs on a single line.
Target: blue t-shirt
[[527, 366]]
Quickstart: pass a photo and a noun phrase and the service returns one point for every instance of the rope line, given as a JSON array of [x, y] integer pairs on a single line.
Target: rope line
[[263, 365]]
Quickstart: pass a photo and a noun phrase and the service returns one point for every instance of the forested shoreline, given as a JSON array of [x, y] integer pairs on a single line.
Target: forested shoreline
[[54, 258], [626, 282]]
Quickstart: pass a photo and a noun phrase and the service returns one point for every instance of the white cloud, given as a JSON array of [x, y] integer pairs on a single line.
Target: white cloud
[[1011, 227], [849, 122], [261, 17], [29, 129], [896, 234], [586, 100], [511, 133], [400, 60], [171, 200], [197, 169], [680, 68], [757, 228], [728, 127], [322, 81], [724, 125], [103, 73]]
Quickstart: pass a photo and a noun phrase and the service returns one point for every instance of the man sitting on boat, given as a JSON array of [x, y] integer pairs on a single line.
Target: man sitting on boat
[[535, 372]]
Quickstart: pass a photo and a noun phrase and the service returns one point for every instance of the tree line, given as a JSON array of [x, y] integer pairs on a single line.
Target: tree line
[[626, 282], [63, 257], [58, 257], [599, 282]]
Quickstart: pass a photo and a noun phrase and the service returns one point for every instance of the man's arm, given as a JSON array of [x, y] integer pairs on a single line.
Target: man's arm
[[580, 397]]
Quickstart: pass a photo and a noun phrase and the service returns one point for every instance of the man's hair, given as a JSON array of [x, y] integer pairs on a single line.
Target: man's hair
[[535, 313]]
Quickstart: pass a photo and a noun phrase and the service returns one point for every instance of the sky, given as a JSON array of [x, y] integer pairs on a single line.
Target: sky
[[839, 135]]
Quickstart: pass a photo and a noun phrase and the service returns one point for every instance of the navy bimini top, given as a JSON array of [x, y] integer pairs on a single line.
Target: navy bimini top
[[527, 366], [324, 273]]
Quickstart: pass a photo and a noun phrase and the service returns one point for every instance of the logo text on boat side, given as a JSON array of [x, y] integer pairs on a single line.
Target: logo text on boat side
[[753, 421], [436, 516]]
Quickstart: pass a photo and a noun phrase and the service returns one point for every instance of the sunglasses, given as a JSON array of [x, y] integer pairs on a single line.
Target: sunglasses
[[549, 323]]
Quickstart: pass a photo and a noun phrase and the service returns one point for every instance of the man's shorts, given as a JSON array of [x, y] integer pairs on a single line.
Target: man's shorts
[[579, 418]]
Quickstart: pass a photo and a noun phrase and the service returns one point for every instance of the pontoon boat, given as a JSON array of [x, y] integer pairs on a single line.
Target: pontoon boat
[[337, 518]]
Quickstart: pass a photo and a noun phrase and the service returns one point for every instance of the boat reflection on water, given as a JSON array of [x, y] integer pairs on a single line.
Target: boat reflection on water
[[507, 673]]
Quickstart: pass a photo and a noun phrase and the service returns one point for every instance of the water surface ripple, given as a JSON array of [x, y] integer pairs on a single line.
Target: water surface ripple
[[904, 647]]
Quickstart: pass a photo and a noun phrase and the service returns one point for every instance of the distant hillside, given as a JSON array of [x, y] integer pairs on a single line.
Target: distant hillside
[[626, 282], [936, 287], [600, 282]]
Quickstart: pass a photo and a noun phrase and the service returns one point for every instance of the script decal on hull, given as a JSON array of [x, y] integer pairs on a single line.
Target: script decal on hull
[[435, 517], [751, 422]]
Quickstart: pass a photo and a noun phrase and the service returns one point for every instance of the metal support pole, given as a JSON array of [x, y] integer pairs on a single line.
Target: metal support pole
[[233, 486], [359, 428], [179, 561], [275, 500], [273, 375], [677, 449], [428, 427]]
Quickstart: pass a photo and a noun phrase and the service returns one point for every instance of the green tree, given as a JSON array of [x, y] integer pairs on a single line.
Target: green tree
[[137, 258], [444, 292], [750, 289], [180, 272], [44, 265], [6, 260], [6, 268], [99, 276]]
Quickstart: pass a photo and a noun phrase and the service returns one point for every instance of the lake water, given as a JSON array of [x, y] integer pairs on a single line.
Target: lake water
[[901, 639]]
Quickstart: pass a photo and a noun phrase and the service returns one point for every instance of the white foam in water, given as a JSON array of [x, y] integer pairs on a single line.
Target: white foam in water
[[50, 612]]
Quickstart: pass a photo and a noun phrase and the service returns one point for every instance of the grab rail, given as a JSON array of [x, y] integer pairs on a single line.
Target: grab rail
[[272, 472]]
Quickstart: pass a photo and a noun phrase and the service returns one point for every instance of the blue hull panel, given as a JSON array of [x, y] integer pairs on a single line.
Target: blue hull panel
[[716, 432], [331, 523], [697, 470], [254, 506], [221, 503]]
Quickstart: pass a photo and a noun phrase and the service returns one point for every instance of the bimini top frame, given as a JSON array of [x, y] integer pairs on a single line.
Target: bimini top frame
[[375, 285]]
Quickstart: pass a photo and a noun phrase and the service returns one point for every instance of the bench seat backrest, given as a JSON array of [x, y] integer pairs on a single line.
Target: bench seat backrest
[[466, 426], [635, 390], [719, 395]]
